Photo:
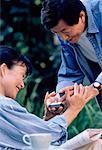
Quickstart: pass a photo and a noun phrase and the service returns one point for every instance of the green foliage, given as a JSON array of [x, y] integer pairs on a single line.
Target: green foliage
[[21, 28], [89, 117]]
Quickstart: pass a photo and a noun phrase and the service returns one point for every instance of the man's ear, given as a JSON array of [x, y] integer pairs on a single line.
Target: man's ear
[[82, 16], [3, 69]]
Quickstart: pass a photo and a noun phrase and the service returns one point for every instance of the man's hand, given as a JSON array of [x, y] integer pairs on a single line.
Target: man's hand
[[75, 98], [82, 94], [85, 92], [90, 92]]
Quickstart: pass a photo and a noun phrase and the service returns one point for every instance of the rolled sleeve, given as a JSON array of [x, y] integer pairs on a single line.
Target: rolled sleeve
[[63, 84], [59, 125]]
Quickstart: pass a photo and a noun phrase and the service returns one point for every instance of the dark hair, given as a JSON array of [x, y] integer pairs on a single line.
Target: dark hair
[[9, 56], [54, 10]]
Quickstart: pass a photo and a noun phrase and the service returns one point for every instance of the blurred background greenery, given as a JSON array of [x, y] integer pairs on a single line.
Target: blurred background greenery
[[20, 28]]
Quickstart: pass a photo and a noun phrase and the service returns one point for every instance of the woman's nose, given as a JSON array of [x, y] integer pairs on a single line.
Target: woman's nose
[[22, 84]]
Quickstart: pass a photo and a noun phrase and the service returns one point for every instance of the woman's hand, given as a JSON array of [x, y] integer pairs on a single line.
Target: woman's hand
[[54, 97], [48, 99]]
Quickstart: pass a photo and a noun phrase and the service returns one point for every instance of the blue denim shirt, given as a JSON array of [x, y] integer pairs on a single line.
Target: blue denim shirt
[[16, 121], [74, 66]]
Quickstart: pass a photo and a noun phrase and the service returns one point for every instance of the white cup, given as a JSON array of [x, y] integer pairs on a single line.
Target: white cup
[[38, 141]]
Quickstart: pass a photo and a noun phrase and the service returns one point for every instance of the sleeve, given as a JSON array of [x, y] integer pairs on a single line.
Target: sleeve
[[69, 71], [100, 10], [19, 122]]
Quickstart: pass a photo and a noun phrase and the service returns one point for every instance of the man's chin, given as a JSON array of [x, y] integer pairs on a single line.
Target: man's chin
[[73, 42]]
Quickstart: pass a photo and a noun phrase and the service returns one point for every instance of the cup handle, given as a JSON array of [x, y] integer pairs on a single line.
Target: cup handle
[[26, 136]]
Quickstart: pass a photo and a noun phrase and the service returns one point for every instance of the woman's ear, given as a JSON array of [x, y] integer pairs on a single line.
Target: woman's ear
[[3, 69]]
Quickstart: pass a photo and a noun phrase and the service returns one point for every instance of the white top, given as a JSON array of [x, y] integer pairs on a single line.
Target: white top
[[86, 48], [16, 121]]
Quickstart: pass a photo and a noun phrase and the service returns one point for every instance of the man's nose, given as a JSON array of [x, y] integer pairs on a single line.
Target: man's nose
[[64, 36]]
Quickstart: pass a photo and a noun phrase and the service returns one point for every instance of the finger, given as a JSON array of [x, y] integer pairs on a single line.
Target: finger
[[52, 109], [67, 88], [46, 96], [91, 92], [56, 99], [63, 98], [52, 94], [50, 100], [59, 110], [86, 95], [70, 93], [76, 89], [82, 89]]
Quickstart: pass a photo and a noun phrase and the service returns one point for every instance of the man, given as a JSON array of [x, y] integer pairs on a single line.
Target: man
[[16, 121], [78, 26]]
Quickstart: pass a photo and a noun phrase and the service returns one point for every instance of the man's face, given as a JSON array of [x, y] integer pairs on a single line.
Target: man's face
[[70, 33], [13, 80]]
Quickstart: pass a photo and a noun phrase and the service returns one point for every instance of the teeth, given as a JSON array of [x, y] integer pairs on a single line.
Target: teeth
[[17, 87]]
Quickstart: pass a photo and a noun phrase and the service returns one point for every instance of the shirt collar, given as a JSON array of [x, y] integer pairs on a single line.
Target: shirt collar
[[92, 28]]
